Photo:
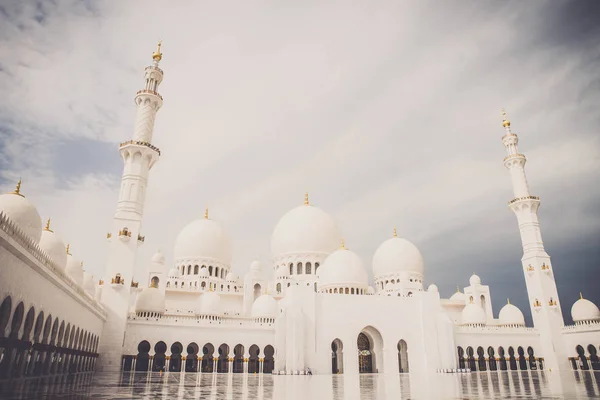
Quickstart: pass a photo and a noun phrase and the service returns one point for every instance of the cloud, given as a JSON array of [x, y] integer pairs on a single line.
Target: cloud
[[387, 115]]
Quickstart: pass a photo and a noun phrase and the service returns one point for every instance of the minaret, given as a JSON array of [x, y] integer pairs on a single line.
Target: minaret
[[539, 276], [138, 155]]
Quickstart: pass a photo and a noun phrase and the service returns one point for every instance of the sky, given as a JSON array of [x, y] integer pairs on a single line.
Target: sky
[[387, 113]]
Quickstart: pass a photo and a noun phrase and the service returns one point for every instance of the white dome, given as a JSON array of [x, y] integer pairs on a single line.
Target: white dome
[[150, 300], [231, 277], [397, 255], [282, 272], [458, 296], [473, 314], [210, 304], [88, 283], [474, 280], [511, 315], [432, 288], [52, 245], [23, 214], [584, 310], [204, 272], [264, 307], [203, 239], [74, 269], [304, 229], [370, 290], [158, 257], [343, 268], [173, 273], [256, 266]]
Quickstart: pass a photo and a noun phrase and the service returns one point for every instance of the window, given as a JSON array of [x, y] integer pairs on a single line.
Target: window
[[195, 270], [308, 268], [299, 269], [316, 267], [291, 269], [210, 269], [189, 269]]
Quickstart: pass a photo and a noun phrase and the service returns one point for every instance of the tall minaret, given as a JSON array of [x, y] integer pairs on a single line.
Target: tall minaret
[[539, 275], [138, 155]]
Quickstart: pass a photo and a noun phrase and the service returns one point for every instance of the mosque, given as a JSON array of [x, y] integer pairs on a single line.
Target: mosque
[[319, 312]]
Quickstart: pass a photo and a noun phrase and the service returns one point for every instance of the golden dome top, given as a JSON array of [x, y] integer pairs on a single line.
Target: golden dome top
[[157, 55], [206, 213], [306, 199], [17, 190], [343, 244], [505, 121], [47, 228], [395, 233]]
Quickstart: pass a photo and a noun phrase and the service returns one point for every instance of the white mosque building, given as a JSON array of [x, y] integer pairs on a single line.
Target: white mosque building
[[193, 314]]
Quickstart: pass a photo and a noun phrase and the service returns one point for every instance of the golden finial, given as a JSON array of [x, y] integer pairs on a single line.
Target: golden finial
[[17, 190], [206, 213], [395, 233], [81, 265], [580, 295], [507, 301], [457, 289], [306, 199], [157, 55], [68, 245], [47, 228], [505, 121], [342, 244]]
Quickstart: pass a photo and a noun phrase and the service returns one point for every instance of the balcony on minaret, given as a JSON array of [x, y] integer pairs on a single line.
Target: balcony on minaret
[[149, 92], [552, 303], [101, 282], [124, 234], [546, 268], [537, 305], [140, 143], [141, 239], [530, 269], [117, 280], [134, 284], [108, 235], [516, 199]]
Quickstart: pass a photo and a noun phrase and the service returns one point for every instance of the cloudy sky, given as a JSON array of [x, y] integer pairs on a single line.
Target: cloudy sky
[[387, 113]]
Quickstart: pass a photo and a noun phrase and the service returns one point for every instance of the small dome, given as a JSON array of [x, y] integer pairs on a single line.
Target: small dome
[[204, 272], [264, 307], [433, 288], [370, 290], [282, 272], [150, 300], [458, 296], [158, 257], [395, 256], [584, 310], [203, 239], [343, 268], [22, 213], [74, 269], [511, 315], [473, 314], [52, 245], [210, 304], [474, 280], [256, 266], [304, 229], [88, 283], [231, 277], [173, 273]]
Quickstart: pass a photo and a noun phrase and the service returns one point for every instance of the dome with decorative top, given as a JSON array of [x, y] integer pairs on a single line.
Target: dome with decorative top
[[150, 299], [210, 304], [203, 239], [584, 310], [231, 277], [511, 315], [473, 314], [432, 288], [256, 266], [264, 307], [22, 213], [370, 290], [458, 296], [474, 280], [52, 245], [173, 273], [74, 268], [395, 256], [158, 257], [282, 272], [343, 268], [305, 229]]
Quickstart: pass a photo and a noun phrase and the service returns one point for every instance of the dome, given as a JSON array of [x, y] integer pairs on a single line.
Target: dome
[[370, 290], [511, 315], [88, 283], [256, 266], [282, 272], [158, 258], [210, 304], [304, 229], [74, 269], [231, 277], [584, 310], [432, 288], [204, 272], [173, 273], [22, 213], [150, 300], [473, 314], [458, 296], [397, 255], [474, 280], [203, 239], [52, 245], [343, 268], [264, 307]]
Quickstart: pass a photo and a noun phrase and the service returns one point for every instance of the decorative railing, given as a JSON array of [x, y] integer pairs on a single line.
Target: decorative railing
[[198, 320], [523, 198], [138, 142], [585, 326], [518, 155], [149, 92], [155, 68], [508, 135], [495, 329], [16, 234]]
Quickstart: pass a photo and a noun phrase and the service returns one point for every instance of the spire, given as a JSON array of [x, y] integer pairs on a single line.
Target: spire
[[507, 301], [17, 190], [457, 289], [395, 233], [157, 55], [505, 121], [306, 203], [580, 295], [68, 245], [342, 244], [206, 213], [47, 228]]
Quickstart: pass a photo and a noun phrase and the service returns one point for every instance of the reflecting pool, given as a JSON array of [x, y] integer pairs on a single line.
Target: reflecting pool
[[481, 385]]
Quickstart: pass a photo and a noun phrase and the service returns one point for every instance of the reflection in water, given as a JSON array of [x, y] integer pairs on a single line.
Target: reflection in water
[[484, 385]]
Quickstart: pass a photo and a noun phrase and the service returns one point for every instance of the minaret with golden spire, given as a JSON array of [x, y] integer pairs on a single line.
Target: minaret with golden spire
[[540, 283]]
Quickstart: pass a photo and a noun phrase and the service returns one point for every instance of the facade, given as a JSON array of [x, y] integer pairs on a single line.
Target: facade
[[319, 312]]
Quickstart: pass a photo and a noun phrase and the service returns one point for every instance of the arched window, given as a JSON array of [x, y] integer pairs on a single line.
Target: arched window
[[279, 288], [203, 284], [182, 270], [308, 268], [189, 270], [291, 269], [482, 301], [352, 291], [299, 268], [154, 282], [195, 270], [210, 270], [217, 272], [347, 291], [168, 284], [335, 290], [316, 267]]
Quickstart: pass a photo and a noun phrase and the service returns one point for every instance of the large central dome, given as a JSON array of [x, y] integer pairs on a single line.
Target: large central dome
[[203, 239], [305, 229]]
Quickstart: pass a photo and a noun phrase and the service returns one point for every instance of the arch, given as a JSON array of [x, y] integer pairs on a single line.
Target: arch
[[189, 270], [471, 359], [461, 358], [5, 311], [154, 282], [269, 361], [502, 356], [28, 325], [217, 272], [278, 287], [207, 357], [191, 360], [481, 359], [17, 320], [308, 268], [160, 359], [492, 359], [291, 268], [522, 360], [337, 357], [512, 361], [257, 289], [299, 268], [593, 357], [317, 267], [583, 363], [223, 361], [175, 362], [482, 303], [196, 270], [143, 358], [238, 359], [402, 356], [370, 346], [210, 270], [253, 363]]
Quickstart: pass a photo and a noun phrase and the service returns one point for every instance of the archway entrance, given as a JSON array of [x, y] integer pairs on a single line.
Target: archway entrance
[[402, 356], [365, 358], [370, 354], [337, 357], [269, 362], [207, 358]]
